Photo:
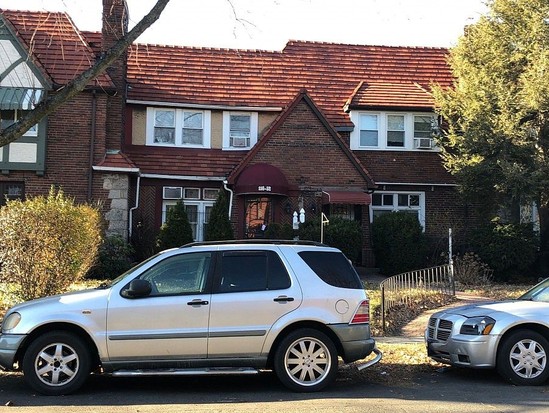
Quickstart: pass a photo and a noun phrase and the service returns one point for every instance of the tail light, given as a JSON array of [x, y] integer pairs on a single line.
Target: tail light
[[362, 313]]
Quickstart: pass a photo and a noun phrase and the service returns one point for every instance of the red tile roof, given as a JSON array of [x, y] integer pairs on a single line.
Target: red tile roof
[[190, 162], [56, 44], [391, 95], [255, 78], [117, 161]]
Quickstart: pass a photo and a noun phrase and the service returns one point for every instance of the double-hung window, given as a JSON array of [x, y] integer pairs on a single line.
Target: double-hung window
[[369, 130], [239, 130], [178, 127], [395, 131]]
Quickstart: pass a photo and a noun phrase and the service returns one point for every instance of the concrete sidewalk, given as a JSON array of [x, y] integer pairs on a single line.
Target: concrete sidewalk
[[413, 331]]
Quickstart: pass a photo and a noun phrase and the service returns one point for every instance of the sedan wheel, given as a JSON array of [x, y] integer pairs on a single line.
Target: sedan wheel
[[522, 358], [56, 363], [306, 360]]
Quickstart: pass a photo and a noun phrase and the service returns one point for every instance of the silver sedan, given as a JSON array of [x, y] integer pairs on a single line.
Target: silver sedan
[[511, 336]]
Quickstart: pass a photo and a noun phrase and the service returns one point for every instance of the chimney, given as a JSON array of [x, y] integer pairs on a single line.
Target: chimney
[[115, 26]]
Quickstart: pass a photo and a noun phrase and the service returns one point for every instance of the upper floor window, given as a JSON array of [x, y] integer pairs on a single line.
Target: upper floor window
[[384, 130], [178, 127], [239, 130], [8, 117]]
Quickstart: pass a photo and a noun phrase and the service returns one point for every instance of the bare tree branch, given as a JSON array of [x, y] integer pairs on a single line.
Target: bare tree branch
[[55, 100]]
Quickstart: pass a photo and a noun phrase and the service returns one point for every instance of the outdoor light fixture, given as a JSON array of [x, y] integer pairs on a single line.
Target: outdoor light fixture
[[288, 208]]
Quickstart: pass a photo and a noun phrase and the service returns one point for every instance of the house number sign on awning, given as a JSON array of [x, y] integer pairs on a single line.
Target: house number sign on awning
[[264, 188]]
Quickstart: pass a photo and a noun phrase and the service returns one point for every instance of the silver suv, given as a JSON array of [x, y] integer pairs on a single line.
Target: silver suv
[[209, 308]]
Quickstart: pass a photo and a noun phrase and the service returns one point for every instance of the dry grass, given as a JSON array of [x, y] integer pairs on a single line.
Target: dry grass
[[401, 364]]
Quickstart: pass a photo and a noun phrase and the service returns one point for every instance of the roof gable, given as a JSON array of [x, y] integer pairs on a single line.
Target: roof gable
[[280, 135], [55, 44]]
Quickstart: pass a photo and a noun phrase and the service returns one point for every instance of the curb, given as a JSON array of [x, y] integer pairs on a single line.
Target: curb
[[399, 340]]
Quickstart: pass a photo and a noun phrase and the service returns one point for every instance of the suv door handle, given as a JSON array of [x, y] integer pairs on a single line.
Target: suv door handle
[[283, 299], [198, 301]]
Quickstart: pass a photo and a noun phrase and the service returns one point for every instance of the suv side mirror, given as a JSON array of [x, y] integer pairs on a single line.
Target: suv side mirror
[[137, 288]]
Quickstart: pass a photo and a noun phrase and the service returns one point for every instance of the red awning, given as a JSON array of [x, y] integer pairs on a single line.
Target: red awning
[[262, 178], [346, 197]]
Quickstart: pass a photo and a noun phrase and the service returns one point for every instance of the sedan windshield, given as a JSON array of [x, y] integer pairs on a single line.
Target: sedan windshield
[[540, 292]]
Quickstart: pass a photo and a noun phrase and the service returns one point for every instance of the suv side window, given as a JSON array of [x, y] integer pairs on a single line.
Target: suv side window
[[333, 268], [252, 271], [179, 274]]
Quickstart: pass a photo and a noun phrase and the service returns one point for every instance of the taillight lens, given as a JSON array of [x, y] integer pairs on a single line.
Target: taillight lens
[[362, 313]]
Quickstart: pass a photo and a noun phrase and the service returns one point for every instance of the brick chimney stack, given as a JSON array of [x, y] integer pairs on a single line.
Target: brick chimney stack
[[115, 25]]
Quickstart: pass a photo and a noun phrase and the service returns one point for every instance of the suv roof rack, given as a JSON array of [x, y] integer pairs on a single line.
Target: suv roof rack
[[253, 241]]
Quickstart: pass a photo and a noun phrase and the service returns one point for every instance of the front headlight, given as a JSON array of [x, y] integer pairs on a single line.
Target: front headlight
[[478, 326], [11, 322]]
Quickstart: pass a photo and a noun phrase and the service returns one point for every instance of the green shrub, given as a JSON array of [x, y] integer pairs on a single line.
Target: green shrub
[[219, 225], [279, 231], [509, 249], [399, 243], [339, 233], [176, 231], [115, 257], [47, 243]]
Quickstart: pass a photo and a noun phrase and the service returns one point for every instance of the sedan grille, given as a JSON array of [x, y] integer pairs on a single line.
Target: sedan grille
[[439, 329]]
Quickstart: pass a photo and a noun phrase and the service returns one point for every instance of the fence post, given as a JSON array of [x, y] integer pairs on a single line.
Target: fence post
[[383, 308]]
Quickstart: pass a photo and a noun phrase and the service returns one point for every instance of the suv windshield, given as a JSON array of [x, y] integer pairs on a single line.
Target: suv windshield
[[333, 268]]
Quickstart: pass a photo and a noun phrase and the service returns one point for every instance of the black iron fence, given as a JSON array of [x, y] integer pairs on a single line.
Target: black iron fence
[[397, 290]]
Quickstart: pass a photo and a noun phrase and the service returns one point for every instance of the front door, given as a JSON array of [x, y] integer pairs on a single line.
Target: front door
[[259, 215]]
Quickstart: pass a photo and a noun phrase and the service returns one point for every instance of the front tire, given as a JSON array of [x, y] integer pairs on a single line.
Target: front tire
[[306, 360], [522, 358], [56, 363]]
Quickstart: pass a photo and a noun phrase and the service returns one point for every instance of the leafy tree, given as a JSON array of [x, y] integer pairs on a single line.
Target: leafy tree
[[47, 243], [219, 225], [176, 231], [55, 100], [497, 112]]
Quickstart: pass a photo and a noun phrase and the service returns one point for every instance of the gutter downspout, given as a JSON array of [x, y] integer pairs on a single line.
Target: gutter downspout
[[130, 218], [230, 197], [92, 143]]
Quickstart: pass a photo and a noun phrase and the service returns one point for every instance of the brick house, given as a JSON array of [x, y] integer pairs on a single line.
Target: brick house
[[340, 129]]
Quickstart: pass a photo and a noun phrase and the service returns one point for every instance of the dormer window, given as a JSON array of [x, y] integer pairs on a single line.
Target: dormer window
[[393, 131], [239, 130], [178, 127]]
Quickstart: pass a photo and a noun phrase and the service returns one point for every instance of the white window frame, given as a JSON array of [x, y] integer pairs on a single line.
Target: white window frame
[[198, 233], [227, 128], [395, 207], [179, 112], [382, 124]]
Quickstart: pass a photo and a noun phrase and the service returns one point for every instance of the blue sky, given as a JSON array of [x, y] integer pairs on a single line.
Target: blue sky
[[269, 24]]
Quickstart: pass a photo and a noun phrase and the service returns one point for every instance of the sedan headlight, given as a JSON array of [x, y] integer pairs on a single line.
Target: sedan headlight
[[11, 322], [478, 326]]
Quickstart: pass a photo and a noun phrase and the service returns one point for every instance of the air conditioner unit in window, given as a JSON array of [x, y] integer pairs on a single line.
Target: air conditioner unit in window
[[423, 143], [239, 142], [173, 192]]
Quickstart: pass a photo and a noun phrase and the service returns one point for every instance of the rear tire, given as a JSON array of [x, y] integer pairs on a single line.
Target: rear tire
[[56, 363], [522, 358], [306, 360]]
